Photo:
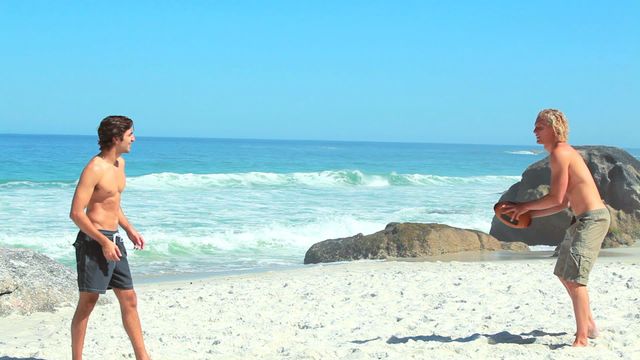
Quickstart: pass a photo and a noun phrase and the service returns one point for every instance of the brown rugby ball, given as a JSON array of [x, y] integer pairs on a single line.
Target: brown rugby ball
[[523, 221]]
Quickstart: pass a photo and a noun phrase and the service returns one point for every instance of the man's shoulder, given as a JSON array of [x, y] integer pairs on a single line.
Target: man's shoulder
[[563, 153], [95, 165]]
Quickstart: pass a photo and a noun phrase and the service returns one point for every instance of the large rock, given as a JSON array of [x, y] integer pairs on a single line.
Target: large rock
[[617, 175], [32, 282], [405, 240]]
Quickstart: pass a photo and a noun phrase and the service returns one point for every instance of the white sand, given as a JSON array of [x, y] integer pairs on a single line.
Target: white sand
[[360, 310]]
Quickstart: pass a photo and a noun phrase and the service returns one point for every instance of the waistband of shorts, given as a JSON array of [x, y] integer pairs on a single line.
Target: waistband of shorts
[[108, 233], [597, 212]]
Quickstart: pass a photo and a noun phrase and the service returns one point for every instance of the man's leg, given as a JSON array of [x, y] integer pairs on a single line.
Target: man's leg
[[86, 303], [580, 299], [593, 329], [129, 308]]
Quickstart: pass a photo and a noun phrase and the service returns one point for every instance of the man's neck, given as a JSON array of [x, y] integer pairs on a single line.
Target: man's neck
[[552, 146], [111, 155]]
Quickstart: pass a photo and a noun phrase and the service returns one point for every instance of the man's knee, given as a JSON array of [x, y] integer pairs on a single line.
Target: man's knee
[[574, 287], [127, 298], [87, 301]]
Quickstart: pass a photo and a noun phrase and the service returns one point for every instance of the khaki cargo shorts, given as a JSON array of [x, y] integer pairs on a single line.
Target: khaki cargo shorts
[[581, 245]]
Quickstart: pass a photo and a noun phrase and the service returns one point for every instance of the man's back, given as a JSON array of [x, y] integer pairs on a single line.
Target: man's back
[[582, 191]]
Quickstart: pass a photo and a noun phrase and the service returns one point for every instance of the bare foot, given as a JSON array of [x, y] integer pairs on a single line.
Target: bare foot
[[580, 342]]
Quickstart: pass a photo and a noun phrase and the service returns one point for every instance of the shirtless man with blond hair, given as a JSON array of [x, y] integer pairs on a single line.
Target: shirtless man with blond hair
[[572, 185], [100, 253]]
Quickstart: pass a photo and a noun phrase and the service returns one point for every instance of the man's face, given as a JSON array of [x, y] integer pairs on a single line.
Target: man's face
[[544, 132], [124, 146]]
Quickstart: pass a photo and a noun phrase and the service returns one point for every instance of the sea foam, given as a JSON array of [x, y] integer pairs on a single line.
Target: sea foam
[[338, 178]]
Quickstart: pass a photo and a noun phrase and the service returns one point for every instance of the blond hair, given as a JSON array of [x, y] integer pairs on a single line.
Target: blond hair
[[558, 122]]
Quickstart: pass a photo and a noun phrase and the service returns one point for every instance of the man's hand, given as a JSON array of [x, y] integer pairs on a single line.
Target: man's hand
[[136, 239], [515, 210], [111, 251]]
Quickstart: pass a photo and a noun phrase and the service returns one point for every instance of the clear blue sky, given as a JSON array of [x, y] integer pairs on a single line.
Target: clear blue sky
[[415, 71]]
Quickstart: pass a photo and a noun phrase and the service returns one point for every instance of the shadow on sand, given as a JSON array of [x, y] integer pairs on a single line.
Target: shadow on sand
[[503, 337]]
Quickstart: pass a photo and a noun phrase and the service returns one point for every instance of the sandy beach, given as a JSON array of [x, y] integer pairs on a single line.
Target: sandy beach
[[498, 309]]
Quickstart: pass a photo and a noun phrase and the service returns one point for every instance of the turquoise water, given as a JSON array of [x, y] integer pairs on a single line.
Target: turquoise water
[[219, 206]]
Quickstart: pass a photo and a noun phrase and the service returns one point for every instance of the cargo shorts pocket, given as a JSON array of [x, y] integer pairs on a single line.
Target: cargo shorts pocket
[[583, 265], [582, 262]]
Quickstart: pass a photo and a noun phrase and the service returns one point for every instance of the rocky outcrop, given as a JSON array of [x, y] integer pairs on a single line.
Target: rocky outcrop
[[32, 282], [405, 240], [617, 175]]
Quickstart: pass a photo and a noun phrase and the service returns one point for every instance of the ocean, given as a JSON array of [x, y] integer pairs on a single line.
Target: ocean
[[221, 206]]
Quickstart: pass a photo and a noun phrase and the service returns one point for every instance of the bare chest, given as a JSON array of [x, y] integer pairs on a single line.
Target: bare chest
[[111, 185]]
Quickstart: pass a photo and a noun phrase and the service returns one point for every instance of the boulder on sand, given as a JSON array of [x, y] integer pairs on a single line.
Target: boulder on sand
[[406, 240], [31, 282]]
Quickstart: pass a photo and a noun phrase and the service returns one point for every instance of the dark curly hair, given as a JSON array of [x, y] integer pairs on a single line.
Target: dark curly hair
[[113, 126]]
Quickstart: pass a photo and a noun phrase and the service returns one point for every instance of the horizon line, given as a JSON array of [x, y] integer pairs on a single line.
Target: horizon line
[[319, 140], [276, 139], [302, 140]]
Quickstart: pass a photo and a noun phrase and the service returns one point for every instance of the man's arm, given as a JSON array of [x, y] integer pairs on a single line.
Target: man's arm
[[84, 190], [134, 236], [549, 211]]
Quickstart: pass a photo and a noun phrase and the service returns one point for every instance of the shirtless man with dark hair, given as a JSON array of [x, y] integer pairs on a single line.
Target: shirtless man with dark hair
[[100, 253], [572, 185]]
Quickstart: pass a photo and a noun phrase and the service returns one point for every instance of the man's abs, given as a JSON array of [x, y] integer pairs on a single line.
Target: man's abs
[[103, 217]]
